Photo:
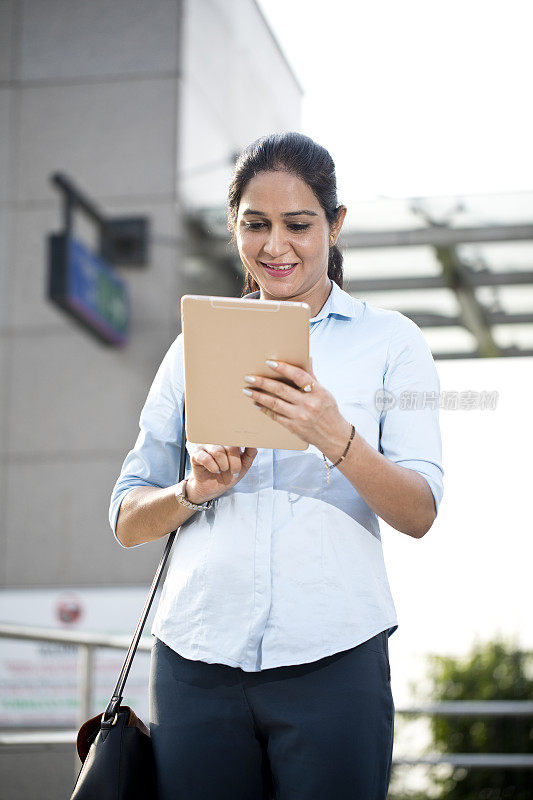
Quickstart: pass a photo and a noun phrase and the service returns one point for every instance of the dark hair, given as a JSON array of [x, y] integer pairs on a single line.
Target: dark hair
[[298, 154]]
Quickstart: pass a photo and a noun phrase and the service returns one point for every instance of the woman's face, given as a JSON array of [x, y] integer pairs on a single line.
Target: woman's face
[[280, 222]]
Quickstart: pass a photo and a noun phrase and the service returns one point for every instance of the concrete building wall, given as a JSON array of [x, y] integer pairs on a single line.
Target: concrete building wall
[[134, 100], [237, 86]]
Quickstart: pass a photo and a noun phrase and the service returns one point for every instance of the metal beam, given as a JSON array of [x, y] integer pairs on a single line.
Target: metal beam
[[485, 277], [471, 760], [503, 318], [436, 235], [474, 315], [430, 319], [476, 277], [507, 352]]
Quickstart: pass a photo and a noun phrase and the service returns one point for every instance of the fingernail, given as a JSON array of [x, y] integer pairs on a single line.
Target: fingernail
[[273, 364], [248, 392], [249, 378], [235, 474]]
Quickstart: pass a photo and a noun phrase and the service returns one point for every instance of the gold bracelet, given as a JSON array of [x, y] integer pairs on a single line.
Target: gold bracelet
[[329, 467]]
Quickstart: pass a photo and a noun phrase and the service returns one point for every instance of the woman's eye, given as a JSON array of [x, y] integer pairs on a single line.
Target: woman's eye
[[255, 226]]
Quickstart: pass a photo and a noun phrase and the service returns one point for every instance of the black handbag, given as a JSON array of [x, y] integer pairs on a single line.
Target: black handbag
[[115, 747]]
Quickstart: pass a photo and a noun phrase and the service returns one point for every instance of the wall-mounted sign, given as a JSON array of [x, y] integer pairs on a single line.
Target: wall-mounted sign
[[87, 288], [39, 681]]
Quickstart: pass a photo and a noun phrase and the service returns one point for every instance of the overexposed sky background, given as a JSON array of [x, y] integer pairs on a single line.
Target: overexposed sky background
[[414, 97], [423, 98]]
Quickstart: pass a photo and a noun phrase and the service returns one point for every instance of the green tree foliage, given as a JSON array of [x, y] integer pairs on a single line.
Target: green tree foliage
[[491, 671]]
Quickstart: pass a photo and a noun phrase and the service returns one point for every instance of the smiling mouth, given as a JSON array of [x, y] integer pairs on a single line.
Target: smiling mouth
[[278, 267]]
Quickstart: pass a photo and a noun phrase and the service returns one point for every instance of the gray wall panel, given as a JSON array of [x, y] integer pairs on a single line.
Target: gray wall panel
[[69, 39], [58, 531], [6, 38], [28, 310], [115, 138], [53, 764], [4, 377], [7, 218], [70, 396], [7, 110], [237, 86]]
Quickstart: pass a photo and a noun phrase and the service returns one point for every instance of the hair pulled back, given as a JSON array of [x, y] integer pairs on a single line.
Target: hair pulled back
[[298, 154]]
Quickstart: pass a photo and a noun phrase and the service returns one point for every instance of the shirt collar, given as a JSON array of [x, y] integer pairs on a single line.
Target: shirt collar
[[339, 303]]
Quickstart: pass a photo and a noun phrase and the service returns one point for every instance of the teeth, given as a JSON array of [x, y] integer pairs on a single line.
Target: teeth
[[279, 269]]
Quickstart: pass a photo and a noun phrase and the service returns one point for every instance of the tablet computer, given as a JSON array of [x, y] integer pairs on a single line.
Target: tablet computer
[[226, 338]]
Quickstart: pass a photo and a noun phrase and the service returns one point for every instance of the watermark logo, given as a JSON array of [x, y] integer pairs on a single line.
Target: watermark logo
[[449, 400], [384, 400]]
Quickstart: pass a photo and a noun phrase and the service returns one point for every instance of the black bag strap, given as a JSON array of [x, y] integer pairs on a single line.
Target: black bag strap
[[116, 699]]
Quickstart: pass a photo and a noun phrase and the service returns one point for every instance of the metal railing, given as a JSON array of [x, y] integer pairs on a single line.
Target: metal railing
[[87, 643]]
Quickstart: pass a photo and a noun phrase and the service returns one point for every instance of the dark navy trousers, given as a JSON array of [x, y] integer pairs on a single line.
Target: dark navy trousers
[[298, 732]]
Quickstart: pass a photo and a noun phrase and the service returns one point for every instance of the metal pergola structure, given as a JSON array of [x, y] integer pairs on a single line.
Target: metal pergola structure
[[456, 275], [208, 238]]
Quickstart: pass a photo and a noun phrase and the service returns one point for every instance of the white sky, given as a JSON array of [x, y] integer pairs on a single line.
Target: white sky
[[415, 97], [424, 98]]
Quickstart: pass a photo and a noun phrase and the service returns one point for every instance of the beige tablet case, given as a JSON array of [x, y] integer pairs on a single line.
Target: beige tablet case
[[225, 339]]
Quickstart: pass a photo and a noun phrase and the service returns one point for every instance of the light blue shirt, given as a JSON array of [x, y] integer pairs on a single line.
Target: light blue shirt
[[284, 569]]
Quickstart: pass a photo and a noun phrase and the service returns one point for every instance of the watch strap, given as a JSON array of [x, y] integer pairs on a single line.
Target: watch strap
[[182, 498]]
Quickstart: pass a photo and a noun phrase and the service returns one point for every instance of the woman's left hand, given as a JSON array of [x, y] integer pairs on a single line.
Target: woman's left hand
[[311, 414]]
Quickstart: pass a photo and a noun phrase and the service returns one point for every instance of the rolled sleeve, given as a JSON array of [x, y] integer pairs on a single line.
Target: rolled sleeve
[[155, 456], [409, 422]]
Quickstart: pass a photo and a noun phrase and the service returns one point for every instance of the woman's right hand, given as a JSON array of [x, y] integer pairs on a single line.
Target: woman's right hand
[[215, 469]]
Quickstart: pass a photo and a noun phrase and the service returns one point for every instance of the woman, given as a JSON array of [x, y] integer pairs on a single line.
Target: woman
[[270, 673]]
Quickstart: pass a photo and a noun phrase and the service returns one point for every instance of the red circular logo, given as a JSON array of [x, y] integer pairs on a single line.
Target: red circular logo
[[69, 609]]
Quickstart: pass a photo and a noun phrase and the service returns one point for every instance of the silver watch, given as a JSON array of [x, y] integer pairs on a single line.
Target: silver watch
[[182, 498]]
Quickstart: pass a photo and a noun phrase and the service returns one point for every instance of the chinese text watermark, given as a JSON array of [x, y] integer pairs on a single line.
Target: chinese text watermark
[[467, 400]]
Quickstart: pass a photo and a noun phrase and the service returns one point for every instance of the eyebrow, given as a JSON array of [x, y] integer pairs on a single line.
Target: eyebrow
[[250, 211]]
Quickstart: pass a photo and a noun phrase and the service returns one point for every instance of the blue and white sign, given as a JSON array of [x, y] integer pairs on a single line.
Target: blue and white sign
[[86, 287]]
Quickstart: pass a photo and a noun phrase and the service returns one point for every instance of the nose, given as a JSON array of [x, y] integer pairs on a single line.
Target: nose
[[276, 242]]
